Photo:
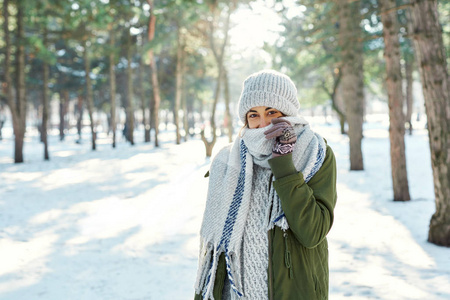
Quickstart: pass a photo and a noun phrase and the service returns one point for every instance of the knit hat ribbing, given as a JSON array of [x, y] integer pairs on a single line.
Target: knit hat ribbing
[[269, 88]]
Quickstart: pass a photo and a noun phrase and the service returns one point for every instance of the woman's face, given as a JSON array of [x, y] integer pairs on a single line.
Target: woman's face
[[260, 116]]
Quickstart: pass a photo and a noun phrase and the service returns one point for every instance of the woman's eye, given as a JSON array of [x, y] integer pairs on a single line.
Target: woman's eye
[[272, 112], [252, 115]]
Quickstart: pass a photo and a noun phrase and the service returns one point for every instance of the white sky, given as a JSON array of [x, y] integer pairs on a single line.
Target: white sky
[[254, 27], [258, 24]]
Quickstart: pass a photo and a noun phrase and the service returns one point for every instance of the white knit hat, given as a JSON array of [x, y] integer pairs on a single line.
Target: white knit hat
[[269, 88]]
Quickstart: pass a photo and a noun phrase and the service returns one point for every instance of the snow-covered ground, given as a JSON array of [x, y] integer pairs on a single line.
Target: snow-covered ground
[[123, 223]]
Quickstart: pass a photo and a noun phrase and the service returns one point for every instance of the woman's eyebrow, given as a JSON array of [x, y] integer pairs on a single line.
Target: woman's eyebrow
[[268, 108]]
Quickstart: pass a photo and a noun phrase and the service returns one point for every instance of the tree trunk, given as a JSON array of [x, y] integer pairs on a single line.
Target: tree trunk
[[45, 96], [340, 114], [219, 55], [336, 104], [79, 117], [186, 114], [155, 83], [409, 93], [63, 104], [156, 97], [395, 98], [151, 121], [7, 87], [130, 106], [430, 54], [228, 119], [143, 102], [89, 97], [209, 145], [186, 110], [178, 91], [352, 77], [112, 86], [409, 68], [2, 121], [334, 96], [61, 117], [19, 130]]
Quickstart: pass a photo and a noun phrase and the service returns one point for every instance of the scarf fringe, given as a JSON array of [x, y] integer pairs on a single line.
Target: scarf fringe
[[209, 285], [232, 264], [203, 266], [274, 213], [207, 270]]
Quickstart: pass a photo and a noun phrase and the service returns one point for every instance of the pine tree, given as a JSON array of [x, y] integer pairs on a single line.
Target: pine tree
[[395, 98], [430, 53]]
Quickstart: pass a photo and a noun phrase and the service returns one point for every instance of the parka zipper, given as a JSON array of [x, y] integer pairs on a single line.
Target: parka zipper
[[287, 256]]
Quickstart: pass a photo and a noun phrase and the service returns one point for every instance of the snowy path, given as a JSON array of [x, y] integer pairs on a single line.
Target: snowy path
[[123, 224]]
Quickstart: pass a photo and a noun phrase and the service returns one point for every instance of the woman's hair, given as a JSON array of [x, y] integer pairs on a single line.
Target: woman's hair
[[245, 126]]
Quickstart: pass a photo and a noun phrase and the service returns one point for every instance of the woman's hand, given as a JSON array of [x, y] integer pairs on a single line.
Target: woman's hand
[[284, 135]]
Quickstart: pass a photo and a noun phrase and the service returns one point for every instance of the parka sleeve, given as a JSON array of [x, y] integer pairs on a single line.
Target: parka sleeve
[[308, 207]]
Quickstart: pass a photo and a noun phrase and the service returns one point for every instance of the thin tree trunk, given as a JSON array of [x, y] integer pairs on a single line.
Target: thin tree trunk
[[430, 54], [395, 98], [409, 93], [7, 72], [2, 121], [63, 103], [228, 118], [340, 105], [130, 106], [79, 117], [352, 77], [19, 130], [143, 102], [179, 78], [209, 145], [186, 111], [409, 68], [155, 83], [89, 97], [151, 121], [61, 117], [156, 98], [185, 118], [334, 94], [112, 86], [45, 96], [335, 102], [340, 114], [219, 55]]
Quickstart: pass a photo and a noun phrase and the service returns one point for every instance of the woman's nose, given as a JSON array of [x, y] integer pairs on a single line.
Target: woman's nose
[[264, 122]]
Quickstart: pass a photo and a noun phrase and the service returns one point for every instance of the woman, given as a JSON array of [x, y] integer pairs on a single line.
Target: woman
[[270, 203]]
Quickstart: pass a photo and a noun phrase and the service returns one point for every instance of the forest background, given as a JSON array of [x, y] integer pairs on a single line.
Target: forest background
[[112, 66]]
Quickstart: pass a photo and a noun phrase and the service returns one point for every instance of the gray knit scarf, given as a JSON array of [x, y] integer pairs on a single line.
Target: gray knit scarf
[[228, 199]]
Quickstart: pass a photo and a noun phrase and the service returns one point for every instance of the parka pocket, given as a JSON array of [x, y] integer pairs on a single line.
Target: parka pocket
[[321, 276], [318, 288], [287, 255]]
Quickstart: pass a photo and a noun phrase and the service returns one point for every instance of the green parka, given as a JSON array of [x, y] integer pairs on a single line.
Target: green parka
[[298, 257]]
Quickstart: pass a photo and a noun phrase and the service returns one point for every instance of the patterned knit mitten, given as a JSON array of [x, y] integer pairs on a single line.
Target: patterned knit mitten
[[284, 135]]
